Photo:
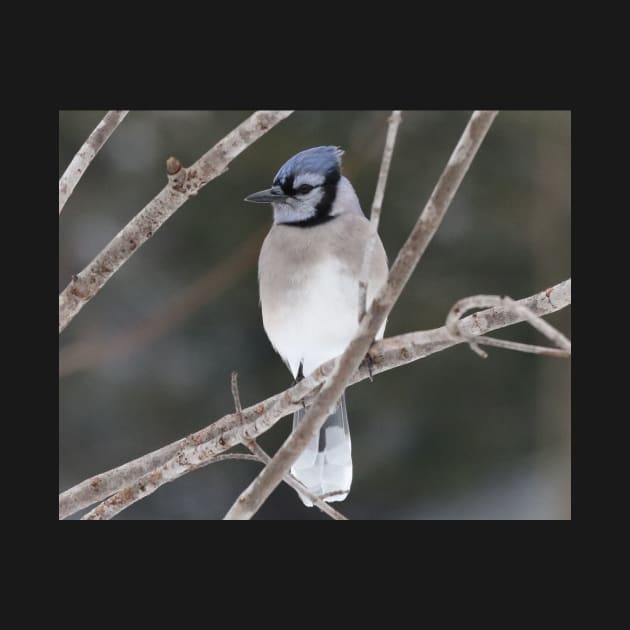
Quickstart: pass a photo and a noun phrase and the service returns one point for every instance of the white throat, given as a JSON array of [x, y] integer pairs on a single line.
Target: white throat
[[296, 209]]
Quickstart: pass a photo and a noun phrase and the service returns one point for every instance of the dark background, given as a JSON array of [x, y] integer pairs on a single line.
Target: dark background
[[148, 360]]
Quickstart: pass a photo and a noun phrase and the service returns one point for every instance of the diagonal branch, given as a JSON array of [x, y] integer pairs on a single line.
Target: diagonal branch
[[145, 486], [87, 153], [375, 212], [183, 183], [233, 428], [257, 492], [150, 483]]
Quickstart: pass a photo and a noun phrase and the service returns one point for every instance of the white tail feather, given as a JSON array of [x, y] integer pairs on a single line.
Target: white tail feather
[[325, 465]]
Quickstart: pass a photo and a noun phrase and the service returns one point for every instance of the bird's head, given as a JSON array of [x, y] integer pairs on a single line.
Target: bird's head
[[305, 189]]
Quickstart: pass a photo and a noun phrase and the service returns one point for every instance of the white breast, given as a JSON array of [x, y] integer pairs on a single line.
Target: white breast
[[309, 287], [315, 317]]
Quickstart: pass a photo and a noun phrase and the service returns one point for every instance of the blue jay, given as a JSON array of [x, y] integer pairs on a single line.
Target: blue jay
[[308, 275]]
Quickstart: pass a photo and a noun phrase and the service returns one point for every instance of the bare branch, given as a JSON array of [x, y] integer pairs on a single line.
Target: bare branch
[[235, 394], [183, 183], [544, 327], [87, 153], [233, 429], [151, 482], [483, 301], [148, 485], [250, 500], [377, 203], [241, 456], [521, 347]]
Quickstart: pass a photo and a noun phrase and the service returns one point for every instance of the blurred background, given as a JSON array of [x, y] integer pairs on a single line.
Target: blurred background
[[452, 436]]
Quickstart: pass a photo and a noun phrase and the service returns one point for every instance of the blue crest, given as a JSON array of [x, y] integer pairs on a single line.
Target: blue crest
[[321, 160]]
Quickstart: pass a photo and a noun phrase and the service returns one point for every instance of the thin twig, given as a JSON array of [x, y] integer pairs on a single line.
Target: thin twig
[[232, 429], [250, 500], [87, 153], [483, 301], [375, 212], [235, 394], [242, 456], [182, 184], [522, 347], [544, 327]]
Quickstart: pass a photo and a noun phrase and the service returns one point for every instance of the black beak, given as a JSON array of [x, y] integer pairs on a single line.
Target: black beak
[[270, 195]]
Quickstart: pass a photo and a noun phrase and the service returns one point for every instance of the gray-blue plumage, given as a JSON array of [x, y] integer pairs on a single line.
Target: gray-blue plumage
[[308, 272], [318, 160]]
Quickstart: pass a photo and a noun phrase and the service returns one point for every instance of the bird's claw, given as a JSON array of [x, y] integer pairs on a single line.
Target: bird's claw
[[369, 364]]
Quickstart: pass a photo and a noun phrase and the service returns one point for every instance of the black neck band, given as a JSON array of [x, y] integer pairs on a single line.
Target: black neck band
[[324, 207]]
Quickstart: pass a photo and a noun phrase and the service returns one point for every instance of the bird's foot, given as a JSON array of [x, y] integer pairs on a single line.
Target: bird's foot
[[297, 379], [369, 362]]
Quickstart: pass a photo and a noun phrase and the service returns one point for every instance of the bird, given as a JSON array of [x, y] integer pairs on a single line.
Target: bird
[[309, 269]]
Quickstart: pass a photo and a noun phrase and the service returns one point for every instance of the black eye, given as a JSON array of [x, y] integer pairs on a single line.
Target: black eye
[[304, 188]]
